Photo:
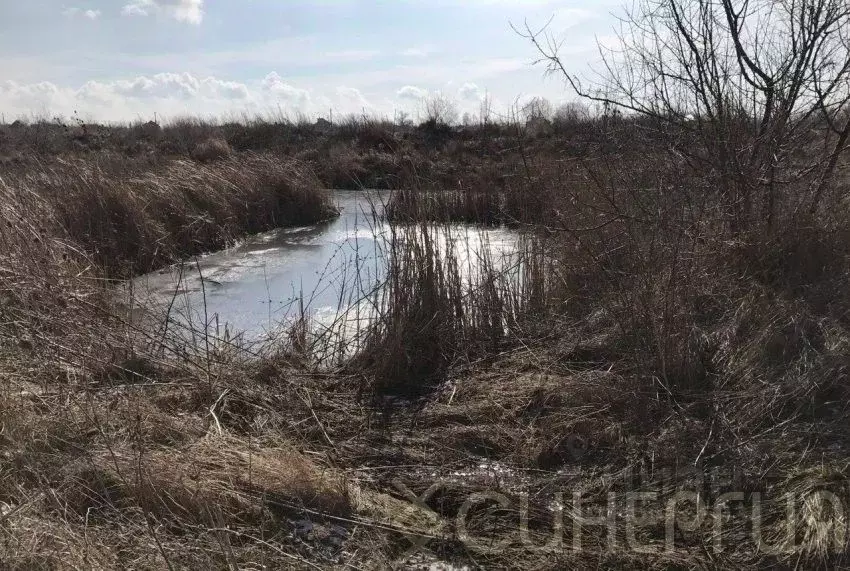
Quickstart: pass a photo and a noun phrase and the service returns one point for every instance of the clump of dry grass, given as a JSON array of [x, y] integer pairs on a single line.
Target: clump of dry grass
[[45, 274], [435, 308], [212, 149], [134, 222], [228, 474], [472, 206]]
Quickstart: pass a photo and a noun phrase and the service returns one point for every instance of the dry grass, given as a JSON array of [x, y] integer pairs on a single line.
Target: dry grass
[[222, 476], [437, 308], [639, 345], [485, 207], [213, 149], [132, 221], [651, 347]]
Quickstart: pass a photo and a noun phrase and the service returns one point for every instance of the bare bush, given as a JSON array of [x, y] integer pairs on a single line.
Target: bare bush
[[750, 84], [439, 109], [537, 109]]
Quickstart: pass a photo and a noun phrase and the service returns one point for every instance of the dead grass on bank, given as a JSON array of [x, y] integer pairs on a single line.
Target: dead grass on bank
[[156, 476], [536, 422], [82, 404], [133, 222], [224, 476], [470, 206], [111, 456]]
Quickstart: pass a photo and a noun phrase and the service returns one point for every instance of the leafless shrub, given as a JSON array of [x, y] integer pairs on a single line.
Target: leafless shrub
[[745, 82], [439, 109]]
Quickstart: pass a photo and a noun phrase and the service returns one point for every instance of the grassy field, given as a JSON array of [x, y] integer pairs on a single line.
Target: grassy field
[[665, 387]]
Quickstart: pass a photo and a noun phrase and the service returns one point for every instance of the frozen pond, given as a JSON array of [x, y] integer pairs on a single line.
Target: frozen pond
[[330, 273]]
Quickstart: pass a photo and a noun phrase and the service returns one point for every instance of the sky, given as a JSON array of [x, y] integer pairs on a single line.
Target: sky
[[129, 60]]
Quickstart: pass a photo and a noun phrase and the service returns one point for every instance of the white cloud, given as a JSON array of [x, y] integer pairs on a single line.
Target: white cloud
[[136, 9], [411, 92], [166, 93], [43, 99], [351, 99], [176, 86], [75, 11], [275, 85], [470, 92], [190, 11], [418, 52], [35, 90], [178, 94]]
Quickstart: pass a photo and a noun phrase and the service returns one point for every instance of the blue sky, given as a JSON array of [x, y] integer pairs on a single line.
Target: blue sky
[[118, 60]]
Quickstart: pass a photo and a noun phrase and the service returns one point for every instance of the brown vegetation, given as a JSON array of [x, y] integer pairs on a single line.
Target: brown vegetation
[[211, 150], [675, 321], [645, 344], [133, 216]]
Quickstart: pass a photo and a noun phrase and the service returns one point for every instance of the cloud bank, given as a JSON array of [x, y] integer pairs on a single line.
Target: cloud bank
[[176, 94]]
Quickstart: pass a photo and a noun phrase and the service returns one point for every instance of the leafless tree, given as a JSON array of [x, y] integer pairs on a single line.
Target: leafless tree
[[440, 109], [757, 83], [485, 114], [537, 109], [572, 112]]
